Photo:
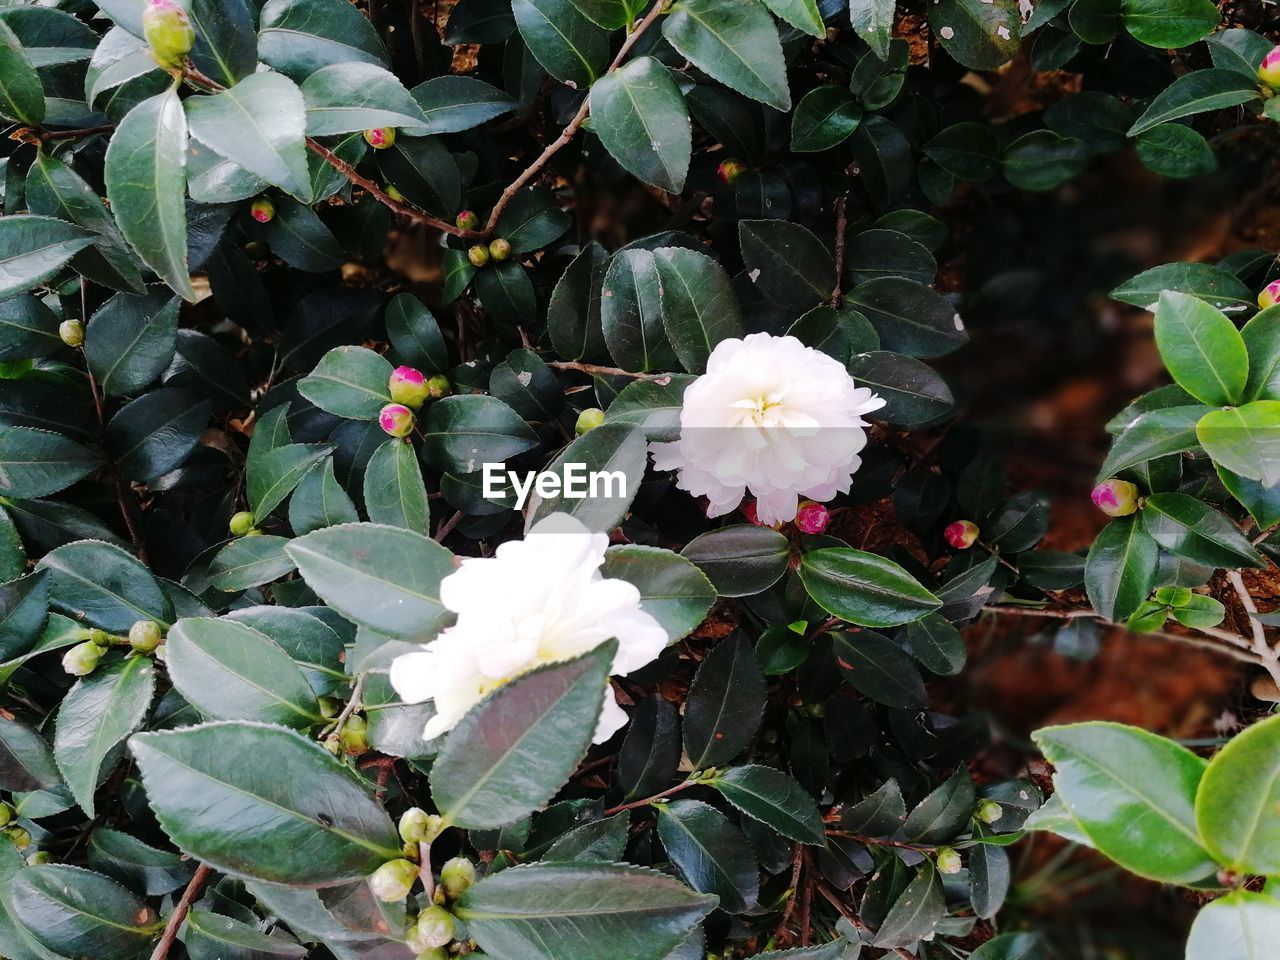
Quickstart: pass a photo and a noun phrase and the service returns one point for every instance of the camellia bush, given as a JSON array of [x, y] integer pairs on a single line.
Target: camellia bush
[[441, 453]]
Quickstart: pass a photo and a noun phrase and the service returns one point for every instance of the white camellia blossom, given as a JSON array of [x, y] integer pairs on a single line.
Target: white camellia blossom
[[536, 601], [771, 416]]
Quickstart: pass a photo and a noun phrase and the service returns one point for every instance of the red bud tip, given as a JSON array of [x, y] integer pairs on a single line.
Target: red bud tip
[[1270, 295], [396, 420], [962, 534], [1116, 498], [1269, 70], [730, 170], [262, 210], [380, 138]]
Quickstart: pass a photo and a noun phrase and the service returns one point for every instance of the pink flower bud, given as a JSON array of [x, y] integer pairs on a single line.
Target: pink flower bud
[[408, 386], [730, 170], [1269, 71], [467, 220], [812, 517], [962, 534], [1270, 294], [396, 419], [1116, 498], [168, 29], [380, 138], [262, 210]]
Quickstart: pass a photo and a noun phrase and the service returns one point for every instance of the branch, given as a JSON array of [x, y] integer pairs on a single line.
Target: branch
[[636, 804], [1260, 645], [194, 886], [598, 371], [556, 145]]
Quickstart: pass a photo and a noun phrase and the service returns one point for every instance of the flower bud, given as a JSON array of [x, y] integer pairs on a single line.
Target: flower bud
[[478, 255], [241, 523], [394, 194], [262, 210], [730, 170], [989, 811], [433, 928], [396, 419], [19, 837], [499, 249], [82, 659], [418, 826], [393, 880], [1270, 295], [7, 813], [1269, 70], [812, 517], [166, 27], [408, 386], [333, 744], [1116, 498], [588, 420], [39, 858], [71, 332], [94, 635], [467, 220], [962, 534], [145, 636], [435, 953], [456, 876], [949, 860], [439, 386], [380, 138], [355, 736]]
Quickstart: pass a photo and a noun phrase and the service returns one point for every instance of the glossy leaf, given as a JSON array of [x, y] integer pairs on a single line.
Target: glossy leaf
[[863, 588], [710, 852], [774, 798], [734, 41], [1236, 801], [640, 117], [725, 705]]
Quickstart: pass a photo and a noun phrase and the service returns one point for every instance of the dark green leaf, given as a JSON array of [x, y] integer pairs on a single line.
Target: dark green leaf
[[153, 434], [130, 340], [351, 382], [298, 37], [1192, 530], [1169, 23], [250, 562], [453, 104], [33, 249], [568, 45], [710, 852], [1216, 286], [774, 798], [789, 264], [699, 308], [21, 94], [979, 35], [863, 588], [1120, 571], [353, 97], [911, 318], [615, 454], [878, 668], [740, 560], [36, 463], [640, 117], [1197, 92], [672, 589], [650, 753], [725, 705], [74, 912], [735, 42], [914, 392], [824, 118], [103, 586], [394, 493]]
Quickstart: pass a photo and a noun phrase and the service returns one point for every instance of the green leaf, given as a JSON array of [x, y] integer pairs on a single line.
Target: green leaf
[[1169, 23], [298, 37], [24, 609], [453, 104], [1133, 794], [384, 578], [249, 562], [569, 46], [935, 644], [598, 841], [1192, 530], [914, 393], [979, 35], [155, 433], [711, 853], [514, 750], [1262, 341], [1214, 285], [989, 878], [319, 501], [28, 328], [772, 797], [36, 463], [1197, 92], [98, 714], [878, 668], [787, 263], [873, 22], [532, 220], [1042, 160], [74, 912], [21, 93], [33, 249], [259, 124], [804, 15], [275, 474], [699, 308], [1154, 434], [415, 335], [1012, 946], [146, 179], [1236, 804], [740, 560], [1203, 350], [212, 936], [103, 586], [54, 189], [640, 117], [824, 118], [735, 42], [1245, 440], [631, 314], [916, 911], [615, 452], [130, 340], [353, 97], [944, 812], [864, 588], [135, 864], [580, 911], [672, 589], [226, 42], [313, 823], [1176, 151], [725, 704], [910, 317], [463, 433], [301, 239], [230, 671], [650, 752], [1120, 571], [573, 314], [26, 762], [506, 291], [351, 382], [394, 493], [967, 151], [1240, 926]]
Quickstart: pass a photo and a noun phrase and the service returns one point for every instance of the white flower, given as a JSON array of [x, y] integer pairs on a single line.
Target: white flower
[[536, 601], [771, 416]]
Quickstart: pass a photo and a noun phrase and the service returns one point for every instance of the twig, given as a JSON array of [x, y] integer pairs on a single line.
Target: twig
[[194, 886], [556, 145], [47, 136], [842, 224], [1260, 645], [636, 804], [353, 704], [598, 371], [446, 528]]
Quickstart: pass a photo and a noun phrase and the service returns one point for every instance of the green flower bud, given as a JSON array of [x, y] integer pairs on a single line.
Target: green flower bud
[[949, 860], [989, 811], [355, 736], [478, 255], [145, 636], [380, 138], [71, 332], [242, 523], [418, 826], [82, 659], [467, 220], [588, 420], [393, 880], [433, 928], [333, 744], [456, 876], [262, 210], [19, 837], [439, 386], [39, 858], [7, 813], [166, 27], [408, 386], [1116, 498], [499, 249]]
